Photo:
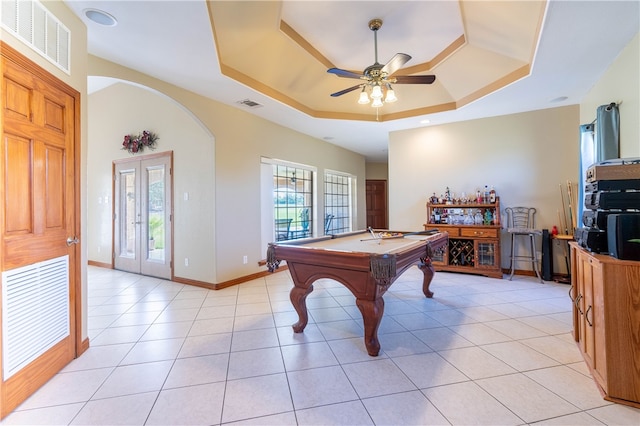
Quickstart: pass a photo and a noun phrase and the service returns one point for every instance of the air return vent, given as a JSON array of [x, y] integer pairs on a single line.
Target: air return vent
[[35, 311], [32, 23], [249, 103]]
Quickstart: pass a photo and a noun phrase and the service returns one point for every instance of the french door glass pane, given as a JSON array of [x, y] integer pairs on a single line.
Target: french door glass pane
[[156, 213], [128, 214]]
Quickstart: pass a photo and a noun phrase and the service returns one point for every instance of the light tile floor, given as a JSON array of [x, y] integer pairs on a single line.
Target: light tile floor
[[482, 351]]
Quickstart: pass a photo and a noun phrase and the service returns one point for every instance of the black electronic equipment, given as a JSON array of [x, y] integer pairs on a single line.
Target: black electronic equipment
[[612, 203], [623, 235], [613, 185], [597, 218], [594, 240], [607, 200]]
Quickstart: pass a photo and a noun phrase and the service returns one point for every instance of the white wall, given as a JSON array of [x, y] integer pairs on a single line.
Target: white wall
[[524, 156]]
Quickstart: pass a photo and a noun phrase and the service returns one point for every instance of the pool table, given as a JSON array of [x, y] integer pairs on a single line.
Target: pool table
[[367, 266]]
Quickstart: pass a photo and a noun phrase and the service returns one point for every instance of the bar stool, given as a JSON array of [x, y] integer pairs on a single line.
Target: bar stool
[[521, 223]]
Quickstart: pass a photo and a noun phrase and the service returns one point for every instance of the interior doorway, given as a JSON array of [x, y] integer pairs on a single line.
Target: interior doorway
[[376, 197], [143, 207]]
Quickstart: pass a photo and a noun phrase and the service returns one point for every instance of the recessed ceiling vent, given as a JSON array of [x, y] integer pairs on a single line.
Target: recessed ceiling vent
[[249, 103], [38, 28]]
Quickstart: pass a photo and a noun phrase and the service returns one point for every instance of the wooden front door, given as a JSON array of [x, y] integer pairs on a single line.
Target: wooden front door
[[39, 226], [377, 203]]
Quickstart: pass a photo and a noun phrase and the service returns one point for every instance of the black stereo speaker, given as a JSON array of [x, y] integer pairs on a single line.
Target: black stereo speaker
[[623, 235]]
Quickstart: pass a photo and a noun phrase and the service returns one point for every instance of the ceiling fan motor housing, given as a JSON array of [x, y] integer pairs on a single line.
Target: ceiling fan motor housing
[[375, 24]]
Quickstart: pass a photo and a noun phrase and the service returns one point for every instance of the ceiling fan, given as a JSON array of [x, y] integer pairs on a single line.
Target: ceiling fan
[[379, 76]]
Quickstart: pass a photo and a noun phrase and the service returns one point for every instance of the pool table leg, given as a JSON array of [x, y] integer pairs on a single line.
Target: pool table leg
[[428, 271], [298, 296], [372, 311]]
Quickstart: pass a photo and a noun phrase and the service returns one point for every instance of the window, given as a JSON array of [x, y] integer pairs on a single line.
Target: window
[[337, 202], [292, 202]]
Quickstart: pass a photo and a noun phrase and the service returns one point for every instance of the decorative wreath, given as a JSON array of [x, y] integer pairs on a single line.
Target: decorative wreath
[[135, 144]]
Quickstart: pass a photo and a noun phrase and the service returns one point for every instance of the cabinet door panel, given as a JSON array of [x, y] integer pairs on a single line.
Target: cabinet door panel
[[586, 308], [487, 253]]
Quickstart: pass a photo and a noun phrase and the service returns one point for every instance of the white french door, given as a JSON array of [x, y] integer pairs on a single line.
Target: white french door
[[142, 232]]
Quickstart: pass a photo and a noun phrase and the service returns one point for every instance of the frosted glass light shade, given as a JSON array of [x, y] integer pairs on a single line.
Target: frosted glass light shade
[[376, 92]]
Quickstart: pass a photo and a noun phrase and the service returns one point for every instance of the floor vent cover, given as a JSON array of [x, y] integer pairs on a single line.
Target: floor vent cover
[[35, 311]]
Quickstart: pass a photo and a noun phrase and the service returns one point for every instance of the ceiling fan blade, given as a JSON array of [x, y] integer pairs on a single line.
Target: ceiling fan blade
[[395, 63], [344, 73], [415, 79], [350, 89]]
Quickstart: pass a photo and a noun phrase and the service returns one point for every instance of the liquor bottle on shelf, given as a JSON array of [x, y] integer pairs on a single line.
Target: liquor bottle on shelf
[[486, 195], [492, 195], [488, 217]]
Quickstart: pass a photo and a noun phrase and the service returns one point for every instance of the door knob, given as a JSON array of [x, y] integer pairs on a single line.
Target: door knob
[[73, 240]]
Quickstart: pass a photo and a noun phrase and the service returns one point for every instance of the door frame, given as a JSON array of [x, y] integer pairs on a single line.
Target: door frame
[[75, 269], [114, 193]]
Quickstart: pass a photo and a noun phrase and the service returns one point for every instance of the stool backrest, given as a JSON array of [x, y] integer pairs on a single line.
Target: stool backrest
[[521, 217]]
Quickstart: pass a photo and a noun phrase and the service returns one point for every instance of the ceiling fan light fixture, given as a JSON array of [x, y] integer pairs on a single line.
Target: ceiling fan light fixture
[[364, 97], [377, 103], [391, 95], [378, 77], [376, 92]]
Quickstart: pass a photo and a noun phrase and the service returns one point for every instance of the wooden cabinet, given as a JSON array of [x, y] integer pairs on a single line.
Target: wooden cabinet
[[606, 316], [472, 248]]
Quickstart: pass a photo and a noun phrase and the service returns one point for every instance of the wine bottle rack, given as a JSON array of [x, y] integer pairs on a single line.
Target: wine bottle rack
[[461, 253], [472, 248]]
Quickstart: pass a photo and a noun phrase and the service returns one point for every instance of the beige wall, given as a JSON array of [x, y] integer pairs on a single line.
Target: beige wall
[[524, 156], [378, 171], [620, 83], [193, 165], [232, 179]]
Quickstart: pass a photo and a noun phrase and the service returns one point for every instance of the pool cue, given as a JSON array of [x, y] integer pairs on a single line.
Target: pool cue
[[574, 201], [559, 220], [569, 194], [564, 211], [373, 235], [427, 232]]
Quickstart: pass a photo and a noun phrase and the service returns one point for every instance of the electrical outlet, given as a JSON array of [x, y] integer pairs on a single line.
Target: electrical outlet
[[186, 261], [244, 259]]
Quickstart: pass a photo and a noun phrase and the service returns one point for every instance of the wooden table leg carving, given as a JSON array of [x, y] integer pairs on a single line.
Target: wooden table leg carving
[[372, 311], [428, 271], [298, 296]]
